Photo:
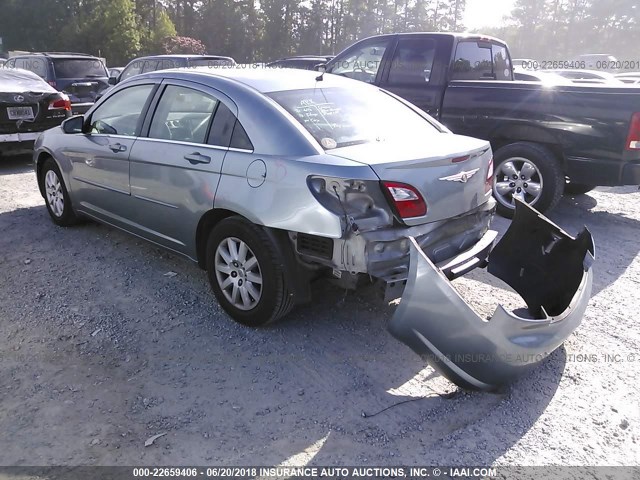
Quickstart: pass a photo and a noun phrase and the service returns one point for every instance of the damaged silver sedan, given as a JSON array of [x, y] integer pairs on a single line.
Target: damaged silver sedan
[[271, 178]]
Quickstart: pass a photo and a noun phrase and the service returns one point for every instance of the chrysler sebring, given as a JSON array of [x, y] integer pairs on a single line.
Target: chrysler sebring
[[269, 178]]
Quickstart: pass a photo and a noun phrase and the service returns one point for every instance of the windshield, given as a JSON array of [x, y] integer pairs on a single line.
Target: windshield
[[79, 68], [211, 62], [338, 117]]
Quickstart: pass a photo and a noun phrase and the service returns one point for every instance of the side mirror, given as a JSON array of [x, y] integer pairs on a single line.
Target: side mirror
[[321, 67], [112, 80], [74, 124]]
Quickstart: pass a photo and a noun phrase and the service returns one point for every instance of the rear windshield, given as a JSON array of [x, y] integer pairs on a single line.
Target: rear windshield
[[79, 68], [337, 117]]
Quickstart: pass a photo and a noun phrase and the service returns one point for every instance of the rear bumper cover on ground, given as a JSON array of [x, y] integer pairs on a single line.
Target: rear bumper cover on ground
[[548, 268]]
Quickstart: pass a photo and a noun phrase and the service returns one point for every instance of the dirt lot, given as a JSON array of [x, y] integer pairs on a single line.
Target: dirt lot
[[100, 350]]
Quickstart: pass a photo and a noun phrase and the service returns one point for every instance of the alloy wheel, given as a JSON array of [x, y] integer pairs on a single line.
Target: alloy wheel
[[55, 196], [238, 273], [517, 178]]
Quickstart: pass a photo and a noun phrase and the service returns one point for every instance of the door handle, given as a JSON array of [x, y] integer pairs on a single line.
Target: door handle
[[118, 147], [195, 158]]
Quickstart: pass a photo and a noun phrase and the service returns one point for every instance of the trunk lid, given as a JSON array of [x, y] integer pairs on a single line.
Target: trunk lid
[[449, 171], [24, 103]]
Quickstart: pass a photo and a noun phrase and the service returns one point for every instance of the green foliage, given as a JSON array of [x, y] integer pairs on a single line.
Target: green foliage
[[251, 30]]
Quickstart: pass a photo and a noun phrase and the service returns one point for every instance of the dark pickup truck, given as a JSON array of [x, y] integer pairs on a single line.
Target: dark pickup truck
[[547, 140]]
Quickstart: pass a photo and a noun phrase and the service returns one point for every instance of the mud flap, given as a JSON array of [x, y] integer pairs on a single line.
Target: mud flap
[[547, 267]]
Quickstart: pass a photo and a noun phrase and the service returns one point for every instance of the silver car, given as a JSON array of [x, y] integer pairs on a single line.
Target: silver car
[[269, 178]]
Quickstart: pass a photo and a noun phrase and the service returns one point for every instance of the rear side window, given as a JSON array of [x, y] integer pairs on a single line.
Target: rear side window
[[222, 127], [412, 61], [79, 68], [183, 114], [37, 65], [239, 138], [473, 62], [481, 61], [501, 62]]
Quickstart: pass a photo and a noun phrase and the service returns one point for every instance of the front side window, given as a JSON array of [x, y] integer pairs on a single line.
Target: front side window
[[121, 112], [363, 62], [338, 117], [134, 69], [412, 61], [473, 61], [183, 114]]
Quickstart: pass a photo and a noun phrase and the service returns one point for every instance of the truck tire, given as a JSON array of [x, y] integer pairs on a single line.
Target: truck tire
[[527, 171], [577, 188], [247, 272]]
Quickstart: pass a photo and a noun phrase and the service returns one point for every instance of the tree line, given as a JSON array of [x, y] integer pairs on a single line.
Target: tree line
[[563, 29], [247, 30], [253, 31]]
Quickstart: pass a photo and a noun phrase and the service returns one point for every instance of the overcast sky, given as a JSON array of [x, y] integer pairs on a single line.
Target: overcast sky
[[486, 13]]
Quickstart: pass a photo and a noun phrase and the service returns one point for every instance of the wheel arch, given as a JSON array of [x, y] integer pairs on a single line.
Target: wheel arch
[[209, 220], [40, 159], [532, 135]]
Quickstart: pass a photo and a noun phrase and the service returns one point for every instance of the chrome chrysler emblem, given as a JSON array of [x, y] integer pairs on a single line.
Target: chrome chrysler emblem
[[461, 177], [19, 98]]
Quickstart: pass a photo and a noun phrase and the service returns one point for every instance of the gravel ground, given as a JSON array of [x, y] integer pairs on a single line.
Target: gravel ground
[[100, 350]]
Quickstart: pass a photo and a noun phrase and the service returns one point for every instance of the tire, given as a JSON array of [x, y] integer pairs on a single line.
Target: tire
[[539, 179], [577, 188], [263, 259], [56, 196]]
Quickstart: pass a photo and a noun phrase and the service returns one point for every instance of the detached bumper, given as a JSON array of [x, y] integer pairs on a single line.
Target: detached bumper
[[548, 268]]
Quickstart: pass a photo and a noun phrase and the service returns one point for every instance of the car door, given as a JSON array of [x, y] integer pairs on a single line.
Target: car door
[[417, 71], [99, 157], [176, 165]]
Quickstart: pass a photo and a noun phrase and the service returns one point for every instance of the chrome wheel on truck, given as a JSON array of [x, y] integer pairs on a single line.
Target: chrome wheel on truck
[[527, 172], [517, 178]]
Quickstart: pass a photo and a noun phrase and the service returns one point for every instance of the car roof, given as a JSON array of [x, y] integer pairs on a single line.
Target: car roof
[[58, 55], [456, 35], [261, 79], [187, 56]]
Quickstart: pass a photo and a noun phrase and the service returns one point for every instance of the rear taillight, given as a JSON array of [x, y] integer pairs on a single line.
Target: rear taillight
[[488, 182], [633, 140], [61, 104], [406, 199]]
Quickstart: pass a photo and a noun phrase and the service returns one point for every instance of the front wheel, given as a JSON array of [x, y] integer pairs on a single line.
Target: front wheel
[[247, 273], [56, 195], [526, 172]]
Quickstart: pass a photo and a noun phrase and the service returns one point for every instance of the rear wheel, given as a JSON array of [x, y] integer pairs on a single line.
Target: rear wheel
[[526, 172], [56, 195], [246, 270], [577, 188]]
